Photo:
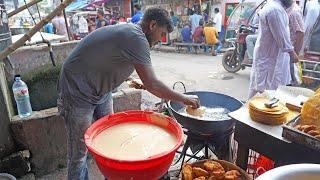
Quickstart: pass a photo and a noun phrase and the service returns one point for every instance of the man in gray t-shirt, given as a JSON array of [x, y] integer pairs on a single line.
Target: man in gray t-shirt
[[101, 62]]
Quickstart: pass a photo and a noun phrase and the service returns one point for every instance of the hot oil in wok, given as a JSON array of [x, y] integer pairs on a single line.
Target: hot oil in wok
[[216, 113]]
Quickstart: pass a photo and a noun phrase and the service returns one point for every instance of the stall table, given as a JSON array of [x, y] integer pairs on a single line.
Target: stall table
[[268, 141]]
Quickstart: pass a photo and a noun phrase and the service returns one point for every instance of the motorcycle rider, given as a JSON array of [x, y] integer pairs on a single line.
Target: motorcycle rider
[[252, 38]]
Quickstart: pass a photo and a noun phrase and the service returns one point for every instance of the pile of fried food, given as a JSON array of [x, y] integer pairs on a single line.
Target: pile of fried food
[[310, 116], [209, 170], [309, 129]]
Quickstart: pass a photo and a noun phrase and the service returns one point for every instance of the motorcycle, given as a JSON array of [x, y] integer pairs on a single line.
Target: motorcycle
[[235, 57], [241, 23]]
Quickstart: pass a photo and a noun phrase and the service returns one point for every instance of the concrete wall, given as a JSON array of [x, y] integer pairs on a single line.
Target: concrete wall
[[24, 60], [44, 133], [6, 142], [35, 66], [29, 58]]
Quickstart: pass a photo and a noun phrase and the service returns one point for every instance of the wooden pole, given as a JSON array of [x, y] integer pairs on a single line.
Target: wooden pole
[[34, 30], [14, 12]]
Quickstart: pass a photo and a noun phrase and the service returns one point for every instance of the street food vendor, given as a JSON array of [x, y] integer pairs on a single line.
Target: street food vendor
[[101, 62]]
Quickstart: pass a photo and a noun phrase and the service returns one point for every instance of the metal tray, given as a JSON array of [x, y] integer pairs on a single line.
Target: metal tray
[[299, 137]]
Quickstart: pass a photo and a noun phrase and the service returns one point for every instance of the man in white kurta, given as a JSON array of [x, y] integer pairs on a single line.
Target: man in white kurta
[[271, 57], [312, 12]]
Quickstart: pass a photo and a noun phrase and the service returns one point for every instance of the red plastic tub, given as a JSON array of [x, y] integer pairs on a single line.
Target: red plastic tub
[[148, 169]]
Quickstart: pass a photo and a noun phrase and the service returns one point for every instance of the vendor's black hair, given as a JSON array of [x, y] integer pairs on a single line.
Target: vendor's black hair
[[159, 15], [216, 10]]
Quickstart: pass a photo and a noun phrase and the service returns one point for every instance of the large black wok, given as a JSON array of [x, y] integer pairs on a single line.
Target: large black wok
[[207, 99]]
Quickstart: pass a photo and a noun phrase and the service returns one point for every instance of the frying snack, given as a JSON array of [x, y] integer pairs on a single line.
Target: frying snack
[[199, 172], [232, 175], [196, 112], [136, 83], [187, 172], [200, 178]]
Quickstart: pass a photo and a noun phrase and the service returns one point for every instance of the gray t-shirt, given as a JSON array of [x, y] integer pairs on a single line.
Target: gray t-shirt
[[101, 62]]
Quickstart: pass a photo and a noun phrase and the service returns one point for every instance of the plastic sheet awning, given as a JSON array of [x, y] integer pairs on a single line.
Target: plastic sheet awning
[[78, 4]]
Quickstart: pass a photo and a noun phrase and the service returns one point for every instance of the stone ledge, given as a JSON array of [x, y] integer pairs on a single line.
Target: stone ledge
[[44, 133]]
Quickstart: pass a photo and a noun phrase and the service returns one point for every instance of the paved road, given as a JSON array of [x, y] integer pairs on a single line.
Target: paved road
[[198, 72]]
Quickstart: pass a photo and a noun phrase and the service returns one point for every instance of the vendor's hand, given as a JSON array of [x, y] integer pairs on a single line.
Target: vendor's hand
[[192, 100]]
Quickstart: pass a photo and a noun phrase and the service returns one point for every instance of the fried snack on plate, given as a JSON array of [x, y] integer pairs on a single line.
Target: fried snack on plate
[[199, 172], [212, 178], [298, 127], [215, 169], [218, 173], [196, 112], [307, 128], [232, 175], [314, 132], [212, 165], [187, 172], [200, 178]]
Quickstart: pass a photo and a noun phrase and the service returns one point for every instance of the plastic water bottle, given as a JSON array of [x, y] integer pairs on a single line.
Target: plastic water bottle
[[21, 95]]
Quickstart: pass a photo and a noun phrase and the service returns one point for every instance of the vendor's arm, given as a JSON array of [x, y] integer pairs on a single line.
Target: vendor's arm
[[158, 88], [137, 51]]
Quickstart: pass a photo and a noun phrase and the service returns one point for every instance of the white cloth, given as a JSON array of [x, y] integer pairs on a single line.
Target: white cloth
[[60, 25], [271, 60], [83, 25], [312, 12], [217, 20], [194, 19]]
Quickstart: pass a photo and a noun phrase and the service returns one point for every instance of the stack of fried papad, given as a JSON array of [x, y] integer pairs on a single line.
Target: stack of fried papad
[[271, 116]]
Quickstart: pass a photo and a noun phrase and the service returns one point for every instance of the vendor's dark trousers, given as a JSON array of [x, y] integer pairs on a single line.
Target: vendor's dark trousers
[[78, 120]]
